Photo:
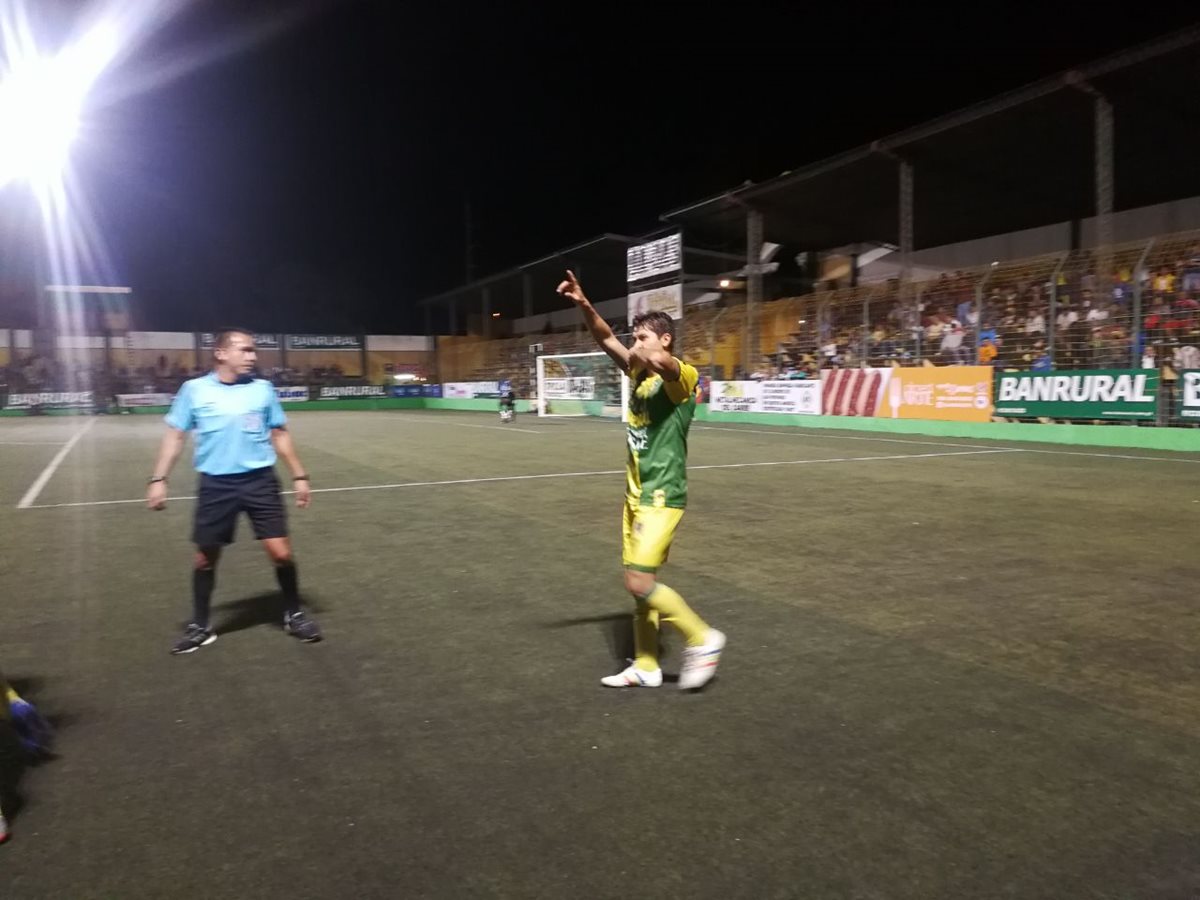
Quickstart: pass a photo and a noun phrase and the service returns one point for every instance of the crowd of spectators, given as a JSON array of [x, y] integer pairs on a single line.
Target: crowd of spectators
[[1094, 324]]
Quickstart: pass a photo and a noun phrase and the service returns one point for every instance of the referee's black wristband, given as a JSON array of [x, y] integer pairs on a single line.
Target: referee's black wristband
[[300, 478]]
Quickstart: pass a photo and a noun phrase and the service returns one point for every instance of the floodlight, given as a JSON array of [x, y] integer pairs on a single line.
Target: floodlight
[[41, 101]]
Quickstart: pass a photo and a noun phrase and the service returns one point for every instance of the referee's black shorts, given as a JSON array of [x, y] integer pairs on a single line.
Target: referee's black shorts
[[222, 497]]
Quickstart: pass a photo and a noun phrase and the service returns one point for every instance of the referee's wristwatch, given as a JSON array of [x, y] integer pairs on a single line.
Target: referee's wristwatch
[[296, 478], [155, 479]]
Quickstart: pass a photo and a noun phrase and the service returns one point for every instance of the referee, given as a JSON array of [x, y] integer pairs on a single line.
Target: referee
[[239, 426]]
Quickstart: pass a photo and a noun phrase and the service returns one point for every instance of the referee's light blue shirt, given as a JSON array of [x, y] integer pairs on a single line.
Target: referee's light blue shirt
[[232, 422]]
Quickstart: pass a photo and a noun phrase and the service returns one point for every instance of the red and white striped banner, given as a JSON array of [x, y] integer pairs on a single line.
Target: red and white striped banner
[[852, 392]]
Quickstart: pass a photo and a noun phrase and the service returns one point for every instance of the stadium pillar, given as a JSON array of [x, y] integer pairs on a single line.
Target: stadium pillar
[[486, 306], [751, 351]]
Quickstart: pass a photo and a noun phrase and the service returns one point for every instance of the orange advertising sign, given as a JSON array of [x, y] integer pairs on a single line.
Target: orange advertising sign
[[952, 393]]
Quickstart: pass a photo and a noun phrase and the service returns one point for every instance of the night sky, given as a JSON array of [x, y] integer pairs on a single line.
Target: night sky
[[315, 178]]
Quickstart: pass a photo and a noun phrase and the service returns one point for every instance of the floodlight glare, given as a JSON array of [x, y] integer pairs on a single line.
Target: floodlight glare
[[41, 100]]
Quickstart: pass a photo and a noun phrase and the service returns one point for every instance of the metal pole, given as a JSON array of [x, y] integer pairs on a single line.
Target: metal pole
[[1052, 313], [454, 315], [527, 292], [979, 289], [679, 326], [1104, 180], [1135, 362], [866, 327], [486, 306], [906, 222], [754, 241]]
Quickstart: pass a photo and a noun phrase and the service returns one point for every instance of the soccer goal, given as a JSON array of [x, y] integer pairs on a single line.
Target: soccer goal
[[581, 384]]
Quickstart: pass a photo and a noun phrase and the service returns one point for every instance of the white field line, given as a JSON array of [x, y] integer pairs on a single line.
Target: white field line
[[48, 472], [801, 433], [500, 478]]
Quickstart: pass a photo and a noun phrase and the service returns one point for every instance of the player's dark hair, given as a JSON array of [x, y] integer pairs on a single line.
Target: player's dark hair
[[226, 334], [658, 322]]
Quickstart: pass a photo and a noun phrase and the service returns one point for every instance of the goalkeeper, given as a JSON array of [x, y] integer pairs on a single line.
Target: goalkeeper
[[33, 733], [661, 404]]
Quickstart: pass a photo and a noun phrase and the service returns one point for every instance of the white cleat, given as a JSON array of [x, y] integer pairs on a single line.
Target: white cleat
[[633, 677], [700, 663]]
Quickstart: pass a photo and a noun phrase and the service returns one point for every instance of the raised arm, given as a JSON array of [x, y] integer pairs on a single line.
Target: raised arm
[[603, 335]]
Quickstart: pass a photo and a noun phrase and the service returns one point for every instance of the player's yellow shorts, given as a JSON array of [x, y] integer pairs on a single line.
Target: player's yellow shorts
[[647, 532]]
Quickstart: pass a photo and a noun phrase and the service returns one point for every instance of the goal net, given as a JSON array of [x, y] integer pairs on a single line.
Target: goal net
[[581, 384]]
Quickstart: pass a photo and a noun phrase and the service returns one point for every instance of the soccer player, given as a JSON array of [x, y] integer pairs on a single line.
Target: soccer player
[[661, 404], [239, 430], [33, 733], [508, 406]]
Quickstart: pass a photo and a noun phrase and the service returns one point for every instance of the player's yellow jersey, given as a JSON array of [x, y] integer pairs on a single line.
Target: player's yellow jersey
[[660, 413]]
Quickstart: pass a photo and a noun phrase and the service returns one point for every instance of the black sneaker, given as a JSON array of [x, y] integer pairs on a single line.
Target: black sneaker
[[298, 625], [194, 637]]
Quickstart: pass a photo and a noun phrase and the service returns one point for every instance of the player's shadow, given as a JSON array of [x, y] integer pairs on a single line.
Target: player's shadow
[[617, 630], [251, 612]]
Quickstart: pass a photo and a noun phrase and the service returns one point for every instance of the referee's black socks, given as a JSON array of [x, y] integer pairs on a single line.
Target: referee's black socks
[[203, 581], [285, 573]]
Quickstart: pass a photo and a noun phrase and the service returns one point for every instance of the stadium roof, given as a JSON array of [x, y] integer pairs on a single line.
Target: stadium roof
[[1023, 159]]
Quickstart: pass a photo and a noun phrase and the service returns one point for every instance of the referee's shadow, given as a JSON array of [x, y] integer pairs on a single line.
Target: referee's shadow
[[252, 612]]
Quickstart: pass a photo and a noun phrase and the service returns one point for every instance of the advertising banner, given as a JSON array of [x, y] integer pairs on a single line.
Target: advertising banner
[[1098, 394], [208, 340], [852, 392], [415, 390], [288, 393], [467, 390], [57, 400], [947, 393], [352, 391], [324, 342], [1189, 394], [128, 401], [668, 299], [652, 274], [800, 398], [581, 387], [654, 258]]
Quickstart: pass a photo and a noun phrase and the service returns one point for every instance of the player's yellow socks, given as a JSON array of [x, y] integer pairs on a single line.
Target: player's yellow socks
[[9, 696], [674, 609], [645, 637]]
